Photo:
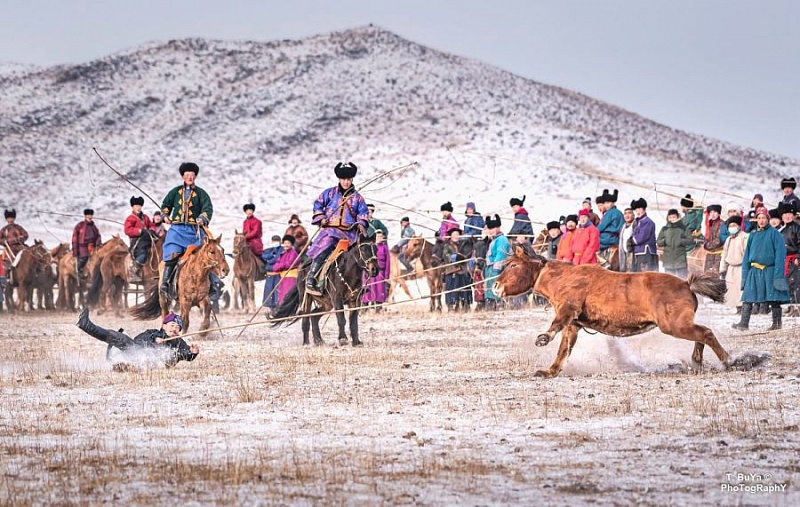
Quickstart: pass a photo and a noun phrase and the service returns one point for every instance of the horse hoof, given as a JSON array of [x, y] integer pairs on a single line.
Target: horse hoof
[[543, 374], [542, 340], [358, 344], [343, 342]]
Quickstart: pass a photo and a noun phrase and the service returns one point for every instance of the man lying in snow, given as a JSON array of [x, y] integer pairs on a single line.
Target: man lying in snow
[[153, 344]]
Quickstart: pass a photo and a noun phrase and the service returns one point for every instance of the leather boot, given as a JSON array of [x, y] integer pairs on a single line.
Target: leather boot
[[777, 314], [166, 277], [744, 324], [311, 278], [765, 308], [113, 338]]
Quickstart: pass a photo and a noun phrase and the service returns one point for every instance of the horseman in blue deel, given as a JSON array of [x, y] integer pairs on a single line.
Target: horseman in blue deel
[[342, 214], [187, 209]]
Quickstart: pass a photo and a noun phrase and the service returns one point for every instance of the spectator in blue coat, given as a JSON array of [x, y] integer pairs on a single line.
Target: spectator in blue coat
[[611, 223], [643, 241], [473, 224], [522, 230]]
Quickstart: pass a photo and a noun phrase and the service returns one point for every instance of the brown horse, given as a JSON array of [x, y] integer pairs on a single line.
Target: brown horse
[[193, 285], [434, 268], [396, 277], [616, 304], [32, 262], [108, 273], [49, 277], [247, 270], [68, 284], [539, 244]]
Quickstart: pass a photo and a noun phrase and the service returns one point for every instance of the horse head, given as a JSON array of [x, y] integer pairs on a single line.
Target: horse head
[[59, 251], [367, 257], [239, 243], [115, 245], [214, 256], [519, 274], [414, 247]]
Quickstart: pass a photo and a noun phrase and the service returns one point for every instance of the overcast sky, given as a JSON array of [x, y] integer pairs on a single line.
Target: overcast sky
[[729, 69]]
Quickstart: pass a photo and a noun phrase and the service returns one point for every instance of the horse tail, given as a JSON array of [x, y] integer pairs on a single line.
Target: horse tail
[[709, 285], [289, 306], [148, 309], [95, 286]]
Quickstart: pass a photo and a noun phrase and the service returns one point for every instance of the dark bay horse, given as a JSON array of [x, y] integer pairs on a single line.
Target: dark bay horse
[[342, 287], [615, 304], [247, 270], [193, 285], [420, 249]]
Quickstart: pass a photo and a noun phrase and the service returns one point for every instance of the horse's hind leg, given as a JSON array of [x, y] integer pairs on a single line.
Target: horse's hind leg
[[681, 325], [568, 337], [354, 328]]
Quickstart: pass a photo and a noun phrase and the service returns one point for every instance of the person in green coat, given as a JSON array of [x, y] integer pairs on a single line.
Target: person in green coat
[[692, 219], [763, 275], [674, 238]]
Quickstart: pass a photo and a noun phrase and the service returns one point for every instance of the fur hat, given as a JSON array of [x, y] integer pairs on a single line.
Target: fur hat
[[571, 218], [734, 220], [189, 167], [137, 200], [448, 206], [172, 317], [773, 213], [600, 199], [345, 171], [491, 223], [714, 207], [451, 231], [516, 202], [553, 225], [587, 200], [10, 213], [687, 201], [405, 219], [787, 208], [584, 213], [673, 211], [639, 203], [88, 211], [249, 206], [607, 197], [788, 182], [289, 238], [294, 217]]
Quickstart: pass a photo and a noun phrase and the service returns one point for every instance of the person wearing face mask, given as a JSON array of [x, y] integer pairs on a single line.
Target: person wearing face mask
[[564, 250], [730, 265], [674, 238]]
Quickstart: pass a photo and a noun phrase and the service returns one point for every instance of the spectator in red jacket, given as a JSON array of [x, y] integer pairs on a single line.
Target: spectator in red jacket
[[252, 230], [586, 242], [85, 238], [137, 228]]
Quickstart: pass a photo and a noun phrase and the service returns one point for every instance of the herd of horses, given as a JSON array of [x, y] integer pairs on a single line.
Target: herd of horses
[[586, 297]]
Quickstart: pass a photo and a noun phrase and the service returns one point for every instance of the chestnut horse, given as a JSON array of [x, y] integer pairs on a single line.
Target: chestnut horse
[[49, 277], [108, 275], [615, 304], [396, 277], [433, 266], [68, 284], [193, 285], [32, 261], [247, 269]]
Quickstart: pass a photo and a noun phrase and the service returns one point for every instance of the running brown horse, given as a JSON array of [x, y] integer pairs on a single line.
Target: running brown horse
[[108, 275], [193, 285], [31, 262], [418, 248], [615, 304], [247, 269]]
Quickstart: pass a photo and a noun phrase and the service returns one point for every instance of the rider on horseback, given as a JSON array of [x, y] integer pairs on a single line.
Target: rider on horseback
[[137, 228], [341, 213], [188, 209]]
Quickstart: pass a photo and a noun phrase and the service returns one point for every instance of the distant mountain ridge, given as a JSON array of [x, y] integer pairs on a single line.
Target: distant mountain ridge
[[266, 122]]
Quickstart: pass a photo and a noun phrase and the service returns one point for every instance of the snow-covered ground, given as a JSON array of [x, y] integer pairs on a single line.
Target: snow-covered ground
[[432, 410]]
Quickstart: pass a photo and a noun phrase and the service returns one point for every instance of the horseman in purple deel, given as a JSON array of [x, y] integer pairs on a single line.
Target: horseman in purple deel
[[341, 213]]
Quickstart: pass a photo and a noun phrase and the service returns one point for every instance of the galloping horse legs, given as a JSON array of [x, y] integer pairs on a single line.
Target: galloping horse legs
[[564, 315], [682, 326], [354, 328], [568, 337]]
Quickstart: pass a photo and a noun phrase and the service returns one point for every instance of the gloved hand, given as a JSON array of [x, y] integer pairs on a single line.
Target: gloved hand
[[201, 220]]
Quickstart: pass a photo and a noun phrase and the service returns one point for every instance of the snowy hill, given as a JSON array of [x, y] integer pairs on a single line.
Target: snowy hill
[[266, 122]]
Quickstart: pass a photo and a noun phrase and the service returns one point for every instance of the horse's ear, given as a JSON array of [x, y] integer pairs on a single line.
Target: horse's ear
[[219, 239], [236, 232], [519, 251]]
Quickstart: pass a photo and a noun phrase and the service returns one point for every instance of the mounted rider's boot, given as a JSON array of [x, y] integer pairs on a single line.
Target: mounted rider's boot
[[744, 324], [166, 277], [777, 318], [312, 286]]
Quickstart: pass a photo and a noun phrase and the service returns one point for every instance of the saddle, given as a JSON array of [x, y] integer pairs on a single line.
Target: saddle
[[341, 247]]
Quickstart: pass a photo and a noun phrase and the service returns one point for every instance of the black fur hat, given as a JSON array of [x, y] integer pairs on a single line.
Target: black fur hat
[[289, 238], [607, 197], [345, 171], [571, 218], [687, 201], [88, 211], [249, 206], [10, 213], [600, 199], [639, 203], [773, 213], [553, 225], [189, 167], [714, 207], [137, 200], [448, 206], [517, 202], [788, 182], [785, 207], [736, 219], [491, 223], [451, 231]]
